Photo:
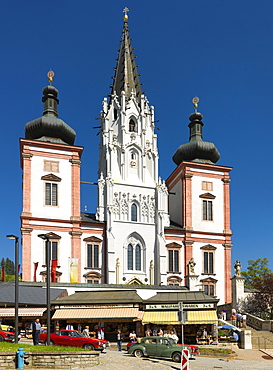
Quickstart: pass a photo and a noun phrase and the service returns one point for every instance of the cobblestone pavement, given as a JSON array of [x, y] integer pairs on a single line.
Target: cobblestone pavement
[[115, 360]]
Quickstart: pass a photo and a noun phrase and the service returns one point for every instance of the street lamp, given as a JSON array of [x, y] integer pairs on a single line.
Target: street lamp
[[16, 299], [46, 238]]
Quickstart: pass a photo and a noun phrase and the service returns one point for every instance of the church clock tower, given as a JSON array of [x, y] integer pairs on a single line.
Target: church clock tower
[[132, 200]]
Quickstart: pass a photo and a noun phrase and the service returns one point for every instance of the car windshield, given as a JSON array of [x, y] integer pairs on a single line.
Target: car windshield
[[68, 333]]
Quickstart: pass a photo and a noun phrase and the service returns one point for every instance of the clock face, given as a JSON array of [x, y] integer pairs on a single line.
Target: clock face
[[133, 164]]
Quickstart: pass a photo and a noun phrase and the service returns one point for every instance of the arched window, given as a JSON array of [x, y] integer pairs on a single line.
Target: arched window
[[130, 257], [134, 212], [132, 125], [138, 258]]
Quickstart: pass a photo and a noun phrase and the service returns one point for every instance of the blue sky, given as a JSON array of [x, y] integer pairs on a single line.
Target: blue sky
[[221, 51]]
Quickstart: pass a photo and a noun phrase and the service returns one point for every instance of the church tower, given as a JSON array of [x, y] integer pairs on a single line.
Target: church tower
[[51, 192], [132, 200], [199, 201]]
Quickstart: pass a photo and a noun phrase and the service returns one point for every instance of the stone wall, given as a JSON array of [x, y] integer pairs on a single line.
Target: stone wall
[[53, 360]]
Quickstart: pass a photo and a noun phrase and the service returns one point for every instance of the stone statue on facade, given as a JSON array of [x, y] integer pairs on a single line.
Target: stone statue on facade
[[191, 266], [237, 267]]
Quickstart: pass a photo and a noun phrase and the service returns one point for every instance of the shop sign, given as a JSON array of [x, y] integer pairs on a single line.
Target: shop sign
[[193, 306], [161, 306]]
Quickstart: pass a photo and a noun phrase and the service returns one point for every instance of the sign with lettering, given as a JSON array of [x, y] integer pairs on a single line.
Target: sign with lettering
[[192, 306], [186, 306]]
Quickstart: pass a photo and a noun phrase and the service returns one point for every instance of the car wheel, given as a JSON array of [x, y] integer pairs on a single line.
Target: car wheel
[[176, 357], [138, 353], [1, 338], [89, 346], [51, 343]]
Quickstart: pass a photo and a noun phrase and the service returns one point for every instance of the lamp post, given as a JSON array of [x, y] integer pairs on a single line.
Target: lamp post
[[16, 299], [46, 238]]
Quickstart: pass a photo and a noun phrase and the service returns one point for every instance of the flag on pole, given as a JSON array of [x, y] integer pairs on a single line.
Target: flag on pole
[[53, 270], [35, 271], [73, 270]]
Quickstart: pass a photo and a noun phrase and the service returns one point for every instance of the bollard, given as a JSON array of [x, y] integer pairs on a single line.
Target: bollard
[[20, 358]]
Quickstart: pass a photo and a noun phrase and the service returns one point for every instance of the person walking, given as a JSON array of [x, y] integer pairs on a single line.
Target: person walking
[[36, 329], [120, 337]]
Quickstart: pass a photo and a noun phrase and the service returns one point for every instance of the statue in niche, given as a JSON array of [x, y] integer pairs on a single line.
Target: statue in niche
[[191, 266], [237, 267]]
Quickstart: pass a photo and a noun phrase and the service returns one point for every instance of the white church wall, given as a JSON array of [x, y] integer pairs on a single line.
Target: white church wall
[[175, 203], [217, 224], [38, 207]]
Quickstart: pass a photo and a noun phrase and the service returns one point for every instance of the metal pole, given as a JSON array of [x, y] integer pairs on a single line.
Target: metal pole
[[16, 288], [48, 277], [182, 327]]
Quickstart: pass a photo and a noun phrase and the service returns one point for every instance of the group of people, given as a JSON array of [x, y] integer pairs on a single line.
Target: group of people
[[238, 319], [159, 332]]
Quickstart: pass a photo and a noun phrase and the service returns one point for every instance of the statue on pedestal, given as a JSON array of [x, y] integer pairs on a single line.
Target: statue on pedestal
[[237, 267], [191, 266]]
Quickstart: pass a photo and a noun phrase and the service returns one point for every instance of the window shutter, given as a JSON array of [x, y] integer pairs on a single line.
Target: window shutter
[[48, 194], [54, 195]]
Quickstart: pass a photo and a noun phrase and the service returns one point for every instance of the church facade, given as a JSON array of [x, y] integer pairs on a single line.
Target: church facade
[[145, 230]]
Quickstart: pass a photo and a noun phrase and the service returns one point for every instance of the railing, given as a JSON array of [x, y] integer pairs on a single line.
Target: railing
[[257, 323], [262, 343]]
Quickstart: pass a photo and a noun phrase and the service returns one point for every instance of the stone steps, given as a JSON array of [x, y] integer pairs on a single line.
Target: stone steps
[[261, 339]]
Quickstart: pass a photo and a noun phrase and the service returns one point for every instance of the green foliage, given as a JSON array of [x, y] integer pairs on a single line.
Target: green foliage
[[257, 270], [9, 269], [9, 266], [12, 347]]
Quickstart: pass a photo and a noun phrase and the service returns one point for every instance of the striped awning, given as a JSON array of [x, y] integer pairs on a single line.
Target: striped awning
[[160, 317], [201, 317], [100, 314], [25, 311]]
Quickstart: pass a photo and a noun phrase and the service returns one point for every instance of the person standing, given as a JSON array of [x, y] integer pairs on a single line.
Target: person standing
[[120, 337], [132, 336], [36, 329]]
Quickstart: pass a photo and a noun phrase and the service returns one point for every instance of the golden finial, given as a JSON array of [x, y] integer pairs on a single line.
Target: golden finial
[[50, 76], [195, 102], [125, 10]]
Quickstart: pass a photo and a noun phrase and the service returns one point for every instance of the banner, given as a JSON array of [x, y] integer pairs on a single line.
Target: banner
[[73, 265], [35, 271], [53, 270]]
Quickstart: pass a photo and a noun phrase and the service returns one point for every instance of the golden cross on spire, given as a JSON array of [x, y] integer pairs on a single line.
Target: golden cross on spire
[[50, 76], [195, 102], [125, 11]]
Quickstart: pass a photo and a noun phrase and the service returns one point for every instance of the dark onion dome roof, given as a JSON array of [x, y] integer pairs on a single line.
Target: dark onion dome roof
[[196, 150], [49, 127]]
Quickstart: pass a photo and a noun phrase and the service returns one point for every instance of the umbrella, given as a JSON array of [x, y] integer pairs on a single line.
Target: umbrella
[[225, 327]]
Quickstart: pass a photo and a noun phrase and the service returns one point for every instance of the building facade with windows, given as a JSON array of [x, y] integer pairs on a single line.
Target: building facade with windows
[[144, 231]]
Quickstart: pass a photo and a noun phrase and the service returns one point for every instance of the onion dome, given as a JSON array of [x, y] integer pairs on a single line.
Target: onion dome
[[49, 127], [196, 150]]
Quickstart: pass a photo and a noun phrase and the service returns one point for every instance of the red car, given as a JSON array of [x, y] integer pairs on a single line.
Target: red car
[[74, 338], [7, 336]]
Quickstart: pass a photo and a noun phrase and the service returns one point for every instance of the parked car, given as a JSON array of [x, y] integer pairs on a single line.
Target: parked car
[[160, 347], [74, 338], [8, 336]]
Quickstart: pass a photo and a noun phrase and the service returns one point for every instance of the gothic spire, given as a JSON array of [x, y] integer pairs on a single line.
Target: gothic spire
[[126, 75]]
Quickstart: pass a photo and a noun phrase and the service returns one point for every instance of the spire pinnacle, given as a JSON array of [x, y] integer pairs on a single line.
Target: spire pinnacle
[[195, 102], [125, 11], [50, 75], [126, 78]]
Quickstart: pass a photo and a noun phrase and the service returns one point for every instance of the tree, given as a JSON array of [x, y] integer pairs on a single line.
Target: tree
[[260, 301], [257, 270], [9, 269]]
